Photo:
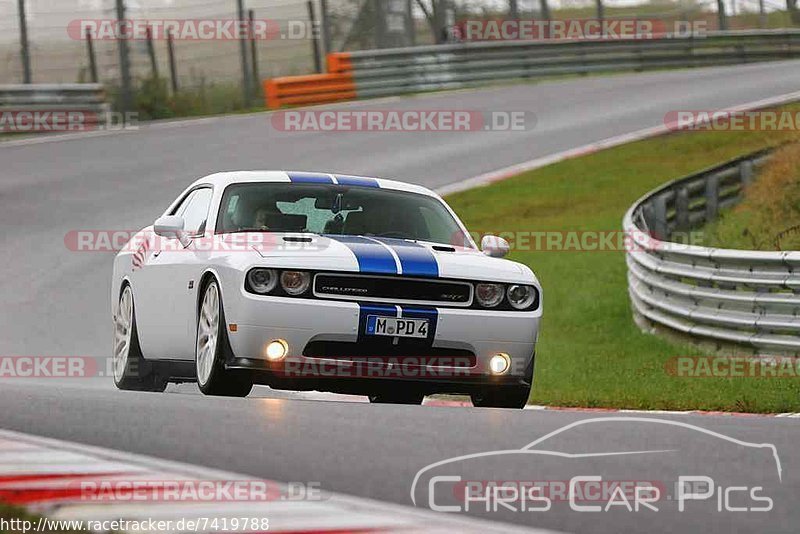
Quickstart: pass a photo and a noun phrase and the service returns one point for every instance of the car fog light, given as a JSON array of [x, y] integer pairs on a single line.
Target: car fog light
[[499, 363], [276, 350]]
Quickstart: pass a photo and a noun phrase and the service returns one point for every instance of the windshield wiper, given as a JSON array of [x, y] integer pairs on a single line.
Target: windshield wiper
[[249, 229], [268, 230]]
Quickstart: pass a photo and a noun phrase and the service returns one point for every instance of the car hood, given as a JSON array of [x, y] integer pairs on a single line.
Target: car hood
[[383, 256]]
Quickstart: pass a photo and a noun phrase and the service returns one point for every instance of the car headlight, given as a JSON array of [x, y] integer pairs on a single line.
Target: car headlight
[[521, 297], [295, 282], [262, 280], [489, 295]]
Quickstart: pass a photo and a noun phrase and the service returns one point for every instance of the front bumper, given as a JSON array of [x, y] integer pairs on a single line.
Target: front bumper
[[461, 344]]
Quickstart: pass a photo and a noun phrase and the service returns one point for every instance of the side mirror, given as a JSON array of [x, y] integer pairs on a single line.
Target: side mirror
[[171, 227], [494, 246]]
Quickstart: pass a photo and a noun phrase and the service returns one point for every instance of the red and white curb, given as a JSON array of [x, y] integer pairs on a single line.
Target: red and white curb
[[49, 477]]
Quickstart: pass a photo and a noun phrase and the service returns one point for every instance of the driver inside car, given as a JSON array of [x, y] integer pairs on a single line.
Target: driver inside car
[[261, 217]]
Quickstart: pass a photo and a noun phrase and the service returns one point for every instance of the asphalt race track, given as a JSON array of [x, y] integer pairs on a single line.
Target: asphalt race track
[[55, 302]]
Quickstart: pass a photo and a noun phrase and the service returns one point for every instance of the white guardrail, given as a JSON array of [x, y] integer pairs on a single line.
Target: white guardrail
[[87, 98], [395, 71], [730, 297]]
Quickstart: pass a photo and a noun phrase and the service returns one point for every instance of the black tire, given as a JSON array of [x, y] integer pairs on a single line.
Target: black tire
[[131, 371], [216, 380], [397, 397], [502, 397], [515, 396]]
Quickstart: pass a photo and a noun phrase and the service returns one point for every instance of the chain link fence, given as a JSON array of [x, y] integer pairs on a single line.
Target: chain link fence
[[57, 54]]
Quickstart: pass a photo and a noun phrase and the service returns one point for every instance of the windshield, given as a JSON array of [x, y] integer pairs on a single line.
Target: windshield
[[338, 210]]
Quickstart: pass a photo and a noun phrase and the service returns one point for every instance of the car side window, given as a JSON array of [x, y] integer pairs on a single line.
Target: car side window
[[196, 211]]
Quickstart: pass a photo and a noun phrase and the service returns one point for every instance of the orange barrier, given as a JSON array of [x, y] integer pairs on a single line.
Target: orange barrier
[[313, 88], [339, 62]]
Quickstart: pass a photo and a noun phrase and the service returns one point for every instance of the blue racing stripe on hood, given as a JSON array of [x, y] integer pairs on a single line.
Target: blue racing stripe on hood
[[372, 257], [415, 259], [309, 177]]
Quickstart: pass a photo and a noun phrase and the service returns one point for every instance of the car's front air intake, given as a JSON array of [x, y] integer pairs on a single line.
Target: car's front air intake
[[392, 289]]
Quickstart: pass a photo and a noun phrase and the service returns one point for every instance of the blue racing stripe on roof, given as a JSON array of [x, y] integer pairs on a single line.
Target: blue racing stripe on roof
[[310, 177], [415, 259], [372, 257], [360, 181]]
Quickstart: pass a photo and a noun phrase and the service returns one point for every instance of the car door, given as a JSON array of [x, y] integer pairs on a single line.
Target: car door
[[165, 286]]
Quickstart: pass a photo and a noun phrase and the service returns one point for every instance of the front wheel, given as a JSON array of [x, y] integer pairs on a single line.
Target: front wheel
[[131, 371], [212, 348], [397, 397], [502, 397]]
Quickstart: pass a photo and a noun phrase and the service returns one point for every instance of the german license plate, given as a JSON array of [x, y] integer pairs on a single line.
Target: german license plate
[[396, 327]]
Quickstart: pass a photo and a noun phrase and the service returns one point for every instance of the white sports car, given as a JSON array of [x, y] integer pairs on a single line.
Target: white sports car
[[312, 281]]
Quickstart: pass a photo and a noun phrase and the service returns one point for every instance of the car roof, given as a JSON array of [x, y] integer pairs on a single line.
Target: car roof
[[223, 179]]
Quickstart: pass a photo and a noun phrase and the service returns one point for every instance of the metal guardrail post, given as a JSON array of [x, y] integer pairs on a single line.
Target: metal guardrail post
[[92, 59], [544, 9], [600, 14], [660, 229], [241, 19], [126, 91], [721, 16], [251, 17], [712, 197], [312, 18], [173, 71], [682, 209], [25, 50], [151, 52], [649, 216], [325, 17], [746, 172]]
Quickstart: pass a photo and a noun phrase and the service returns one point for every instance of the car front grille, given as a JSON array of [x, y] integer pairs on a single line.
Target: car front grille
[[392, 289]]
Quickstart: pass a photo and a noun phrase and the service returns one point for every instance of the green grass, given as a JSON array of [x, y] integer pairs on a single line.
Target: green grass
[[590, 351], [768, 218], [153, 99]]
